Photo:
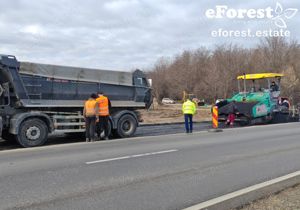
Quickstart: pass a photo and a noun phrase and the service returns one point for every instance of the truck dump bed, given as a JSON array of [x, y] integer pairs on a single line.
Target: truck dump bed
[[43, 85], [76, 74]]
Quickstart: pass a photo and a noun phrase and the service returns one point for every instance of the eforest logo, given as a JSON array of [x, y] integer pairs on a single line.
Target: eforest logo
[[277, 15]]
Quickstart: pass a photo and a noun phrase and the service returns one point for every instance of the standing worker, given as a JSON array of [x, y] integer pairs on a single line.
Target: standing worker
[[188, 109], [103, 112], [274, 86], [90, 114]]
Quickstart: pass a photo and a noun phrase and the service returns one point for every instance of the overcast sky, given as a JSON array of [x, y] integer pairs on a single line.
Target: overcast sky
[[120, 34]]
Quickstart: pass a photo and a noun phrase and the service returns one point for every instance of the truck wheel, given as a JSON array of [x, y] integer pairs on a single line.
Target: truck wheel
[[32, 132], [126, 126]]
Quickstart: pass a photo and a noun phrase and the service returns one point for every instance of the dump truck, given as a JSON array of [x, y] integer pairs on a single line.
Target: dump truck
[[38, 99], [257, 102]]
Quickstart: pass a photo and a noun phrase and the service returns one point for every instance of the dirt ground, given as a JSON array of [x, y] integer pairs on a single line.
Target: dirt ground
[[171, 113], [288, 199]]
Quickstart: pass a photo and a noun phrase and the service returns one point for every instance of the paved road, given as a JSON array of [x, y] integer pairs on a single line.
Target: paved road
[[155, 130], [162, 172], [144, 130]]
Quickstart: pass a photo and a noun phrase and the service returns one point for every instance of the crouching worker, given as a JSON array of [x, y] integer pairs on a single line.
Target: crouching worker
[[230, 119], [104, 106], [90, 116], [188, 109], [233, 110]]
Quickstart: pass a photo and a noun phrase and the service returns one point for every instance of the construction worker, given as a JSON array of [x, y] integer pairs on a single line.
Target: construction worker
[[274, 86], [286, 103], [233, 111], [188, 109], [104, 106], [90, 114]]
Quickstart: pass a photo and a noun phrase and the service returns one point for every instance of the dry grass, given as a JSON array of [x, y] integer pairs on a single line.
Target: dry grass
[[172, 113], [288, 199]]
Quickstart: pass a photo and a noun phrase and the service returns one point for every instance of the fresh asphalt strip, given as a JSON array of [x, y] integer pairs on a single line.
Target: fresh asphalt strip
[[131, 156], [249, 194]]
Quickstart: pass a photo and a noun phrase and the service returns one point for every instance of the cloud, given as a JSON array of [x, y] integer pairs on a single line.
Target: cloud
[[35, 30], [120, 5], [115, 34]]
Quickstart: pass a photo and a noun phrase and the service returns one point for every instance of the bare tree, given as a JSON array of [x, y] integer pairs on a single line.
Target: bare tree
[[212, 74]]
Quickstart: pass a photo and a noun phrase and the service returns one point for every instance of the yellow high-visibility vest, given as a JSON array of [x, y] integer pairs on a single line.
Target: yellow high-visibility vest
[[103, 106], [189, 107], [90, 107]]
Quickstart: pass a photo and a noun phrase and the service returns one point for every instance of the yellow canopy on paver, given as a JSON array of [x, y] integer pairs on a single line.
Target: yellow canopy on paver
[[259, 76]]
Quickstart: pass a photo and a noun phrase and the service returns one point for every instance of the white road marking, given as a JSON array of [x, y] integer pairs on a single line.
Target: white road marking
[[131, 156], [214, 201]]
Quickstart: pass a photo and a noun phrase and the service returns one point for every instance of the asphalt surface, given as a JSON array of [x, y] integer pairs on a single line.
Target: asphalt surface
[[162, 172], [172, 128], [143, 130]]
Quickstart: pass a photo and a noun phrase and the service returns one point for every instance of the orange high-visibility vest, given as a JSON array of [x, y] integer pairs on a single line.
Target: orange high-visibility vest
[[103, 106], [90, 107]]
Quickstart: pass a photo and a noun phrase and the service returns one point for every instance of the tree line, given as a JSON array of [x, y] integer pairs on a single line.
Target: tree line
[[211, 74]]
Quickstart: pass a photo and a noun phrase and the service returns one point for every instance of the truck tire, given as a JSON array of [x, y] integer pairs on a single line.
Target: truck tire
[[32, 133], [126, 126]]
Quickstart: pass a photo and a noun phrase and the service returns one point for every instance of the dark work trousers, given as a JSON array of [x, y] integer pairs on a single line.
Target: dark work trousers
[[103, 124], [90, 128], [188, 120]]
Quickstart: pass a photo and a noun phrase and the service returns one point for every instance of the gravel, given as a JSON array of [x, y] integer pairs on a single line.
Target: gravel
[[288, 199]]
